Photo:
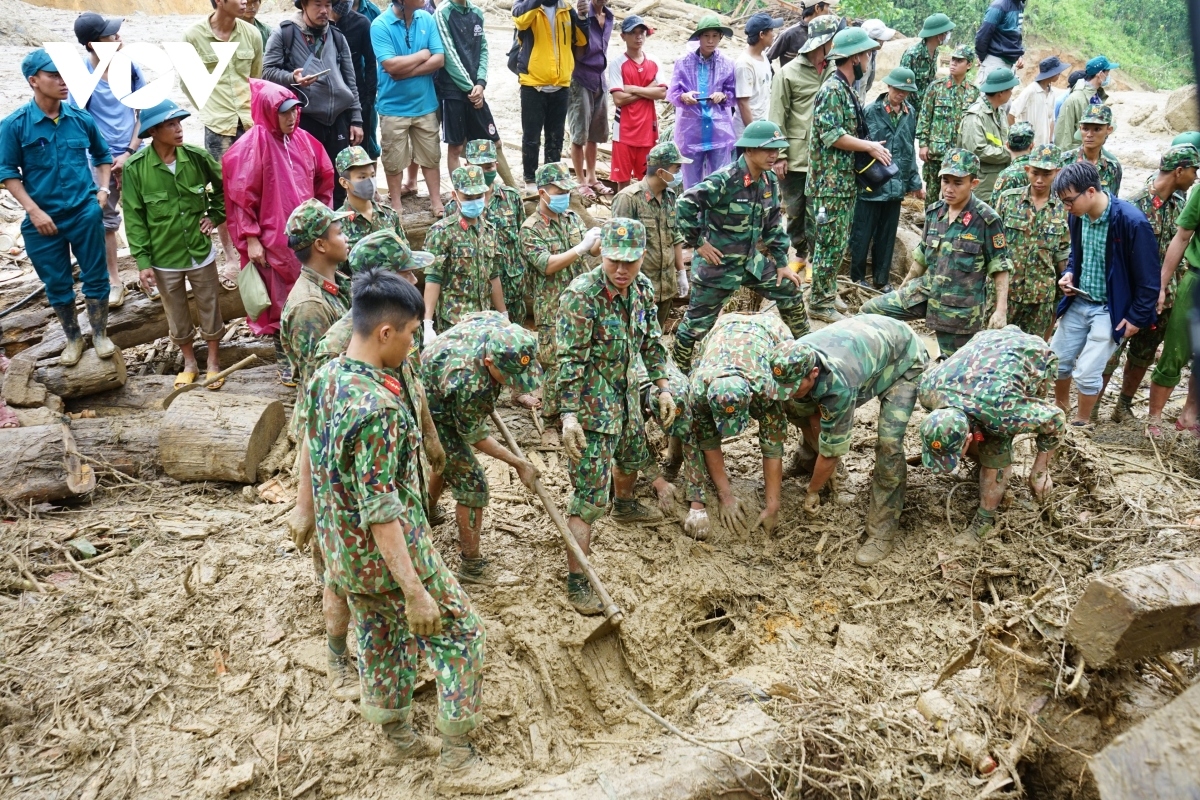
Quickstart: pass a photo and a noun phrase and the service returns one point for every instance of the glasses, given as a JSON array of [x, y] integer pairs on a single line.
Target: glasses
[[1069, 201]]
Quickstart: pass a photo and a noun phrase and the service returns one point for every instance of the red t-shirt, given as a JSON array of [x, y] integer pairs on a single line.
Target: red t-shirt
[[635, 124]]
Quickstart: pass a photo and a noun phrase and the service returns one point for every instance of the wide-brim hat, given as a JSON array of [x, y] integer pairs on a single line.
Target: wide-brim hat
[[936, 25], [999, 80], [166, 110], [820, 30], [710, 22], [851, 42], [902, 78], [1051, 67], [762, 134]]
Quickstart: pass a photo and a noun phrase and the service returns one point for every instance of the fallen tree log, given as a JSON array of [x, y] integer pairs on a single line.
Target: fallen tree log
[[127, 444], [1157, 757], [42, 464], [215, 436], [145, 392], [21, 389], [91, 375]]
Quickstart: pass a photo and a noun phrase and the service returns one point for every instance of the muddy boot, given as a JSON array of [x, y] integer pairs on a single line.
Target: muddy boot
[[972, 537], [407, 744], [463, 771], [474, 570], [70, 325], [840, 304], [633, 511], [829, 314], [97, 311], [674, 459], [343, 680], [876, 548], [581, 596], [436, 516], [802, 462], [1123, 410]]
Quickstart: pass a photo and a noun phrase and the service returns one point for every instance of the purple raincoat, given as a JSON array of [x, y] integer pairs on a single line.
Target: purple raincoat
[[706, 126]]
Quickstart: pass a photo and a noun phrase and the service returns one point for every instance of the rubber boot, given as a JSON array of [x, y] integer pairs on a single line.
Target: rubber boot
[[674, 458], [343, 681], [70, 325], [97, 311], [1123, 410], [980, 526], [463, 771], [633, 511], [828, 314], [581, 596], [407, 744]]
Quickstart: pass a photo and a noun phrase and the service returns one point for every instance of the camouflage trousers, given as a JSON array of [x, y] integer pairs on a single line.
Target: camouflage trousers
[[900, 305], [514, 297], [711, 288], [463, 473], [933, 182], [388, 653], [592, 474], [547, 356], [795, 205], [1142, 347], [1033, 318], [692, 469], [832, 239]]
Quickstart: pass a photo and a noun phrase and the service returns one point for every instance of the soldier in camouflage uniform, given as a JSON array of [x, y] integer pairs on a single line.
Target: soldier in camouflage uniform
[[1161, 200], [732, 218], [652, 202], [1037, 240], [962, 246], [921, 58], [829, 373], [990, 391], [606, 320], [356, 174], [1020, 144], [1094, 130], [373, 532], [506, 213], [836, 118], [463, 371], [941, 113], [730, 385], [984, 129], [557, 247], [683, 454]]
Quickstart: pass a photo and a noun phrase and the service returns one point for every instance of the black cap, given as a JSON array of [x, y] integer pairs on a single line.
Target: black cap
[[1051, 67], [91, 27]]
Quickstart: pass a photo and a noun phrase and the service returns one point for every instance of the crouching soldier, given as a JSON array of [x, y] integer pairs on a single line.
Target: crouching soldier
[[683, 456]]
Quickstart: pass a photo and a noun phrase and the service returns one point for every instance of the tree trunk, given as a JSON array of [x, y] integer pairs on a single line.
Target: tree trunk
[[213, 436], [91, 375], [145, 392], [42, 464], [128, 443], [1157, 757], [21, 389]]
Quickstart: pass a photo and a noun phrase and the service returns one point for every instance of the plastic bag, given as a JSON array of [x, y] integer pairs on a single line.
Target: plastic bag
[[253, 291]]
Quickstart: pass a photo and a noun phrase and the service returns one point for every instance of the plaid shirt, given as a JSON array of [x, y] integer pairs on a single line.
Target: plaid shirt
[[1094, 246]]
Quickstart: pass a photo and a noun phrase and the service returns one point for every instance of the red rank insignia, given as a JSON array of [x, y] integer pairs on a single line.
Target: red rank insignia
[[746, 179], [330, 287], [967, 218], [391, 384], [1157, 201]]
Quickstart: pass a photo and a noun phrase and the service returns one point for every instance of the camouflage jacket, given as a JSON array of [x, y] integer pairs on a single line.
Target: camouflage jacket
[[542, 237], [364, 445], [598, 338], [464, 264], [460, 390], [1109, 168], [1038, 244], [1011, 177], [312, 306], [659, 215], [1162, 216], [356, 226], [692, 470], [983, 132], [941, 114], [959, 257], [924, 67], [999, 379], [739, 216], [741, 344], [831, 171], [506, 213]]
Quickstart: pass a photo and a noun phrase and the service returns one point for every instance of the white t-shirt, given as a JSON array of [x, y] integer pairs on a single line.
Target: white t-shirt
[[753, 78], [1036, 106]]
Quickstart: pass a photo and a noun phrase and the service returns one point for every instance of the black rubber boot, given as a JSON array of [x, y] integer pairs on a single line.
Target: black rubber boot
[[70, 325], [97, 311]]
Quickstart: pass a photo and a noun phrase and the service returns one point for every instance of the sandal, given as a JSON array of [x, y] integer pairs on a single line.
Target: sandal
[[601, 188], [1154, 428], [586, 192], [226, 281], [1179, 426], [185, 379], [527, 401], [210, 384], [8, 417], [410, 191]]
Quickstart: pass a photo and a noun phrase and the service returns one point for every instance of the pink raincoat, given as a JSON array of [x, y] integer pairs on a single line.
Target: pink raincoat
[[267, 175]]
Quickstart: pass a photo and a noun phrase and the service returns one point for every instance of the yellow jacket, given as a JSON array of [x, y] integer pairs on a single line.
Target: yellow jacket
[[537, 63]]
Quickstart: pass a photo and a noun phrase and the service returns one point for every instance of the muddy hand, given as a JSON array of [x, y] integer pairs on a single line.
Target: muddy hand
[[1041, 484], [812, 502], [301, 525], [666, 493], [436, 454], [696, 524], [422, 614], [732, 515], [574, 440], [666, 409], [528, 473], [769, 521]]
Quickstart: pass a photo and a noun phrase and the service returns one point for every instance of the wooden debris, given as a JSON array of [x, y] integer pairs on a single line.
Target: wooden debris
[[217, 436], [1155, 758], [42, 464], [91, 375]]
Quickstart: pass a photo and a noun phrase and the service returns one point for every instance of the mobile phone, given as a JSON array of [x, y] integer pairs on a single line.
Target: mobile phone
[[317, 74], [1081, 293]]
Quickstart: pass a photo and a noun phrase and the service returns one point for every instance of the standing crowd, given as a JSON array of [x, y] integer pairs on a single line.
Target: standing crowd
[[1030, 273]]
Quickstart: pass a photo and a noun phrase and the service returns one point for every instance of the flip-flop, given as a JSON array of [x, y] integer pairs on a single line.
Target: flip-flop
[[1179, 426], [185, 378], [531, 403], [210, 384]]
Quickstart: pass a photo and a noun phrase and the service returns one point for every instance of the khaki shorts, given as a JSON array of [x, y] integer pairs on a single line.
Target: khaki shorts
[[172, 290], [409, 139]]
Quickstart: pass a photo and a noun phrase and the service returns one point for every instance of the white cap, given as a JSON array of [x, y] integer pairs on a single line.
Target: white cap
[[877, 30]]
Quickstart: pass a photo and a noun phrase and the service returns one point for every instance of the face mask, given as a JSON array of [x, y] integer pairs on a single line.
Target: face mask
[[489, 176], [364, 189], [559, 203], [471, 208], [676, 179], [1107, 80], [858, 71]]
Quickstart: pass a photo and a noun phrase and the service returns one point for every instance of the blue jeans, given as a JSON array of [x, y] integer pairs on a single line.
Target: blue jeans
[[80, 231], [1083, 343]]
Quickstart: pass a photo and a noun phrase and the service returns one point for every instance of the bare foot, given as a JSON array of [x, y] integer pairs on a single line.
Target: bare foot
[[8, 417]]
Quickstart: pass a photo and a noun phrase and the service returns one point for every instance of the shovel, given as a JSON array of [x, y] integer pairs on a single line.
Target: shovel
[[613, 615], [245, 362]]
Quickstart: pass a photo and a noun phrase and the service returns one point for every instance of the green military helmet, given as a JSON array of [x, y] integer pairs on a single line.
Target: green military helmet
[[666, 154], [1020, 136], [513, 351], [762, 134], [353, 156], [1181, 155], [943, 433], [309, 222], [469, 180], [711, 22], [729, 398], [1045, 156], [936, 25], [820, 31], [1097, 115], [792, 362], [1187, 137], [480, 151], [964, 51], [386, 249], [623, 239], [851, 42], [962, 163], [999, 80], [902, 78], [556, 174]]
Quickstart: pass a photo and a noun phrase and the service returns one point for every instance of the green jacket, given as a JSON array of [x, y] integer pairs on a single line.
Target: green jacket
[[983, 132], [897, 134], [163, 209], [793, 90], [1073, 109]]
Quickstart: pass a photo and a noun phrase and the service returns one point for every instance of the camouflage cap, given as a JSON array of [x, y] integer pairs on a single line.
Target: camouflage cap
[[1097, 115], [1187, 137], [1020, 136], [792, 362], [623, 239], [964, 51], [1181, 155], [960, 162], [353, 156], [513, 351], [480, 151], [943, 433], [469, 180], [555, 173], [729, 399], [1045, 156], [309, 222], [820, 31], [666, 154], [386, 249]]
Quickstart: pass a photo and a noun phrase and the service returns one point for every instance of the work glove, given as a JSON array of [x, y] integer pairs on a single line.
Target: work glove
[[574, 440], [684, 286], [696, 524], [430, 333], [589, 241], [666, 409]]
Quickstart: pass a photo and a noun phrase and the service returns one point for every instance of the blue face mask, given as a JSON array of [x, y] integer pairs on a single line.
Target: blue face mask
[[471, 208], [1107, 80], [676, 179], [559, 203]]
